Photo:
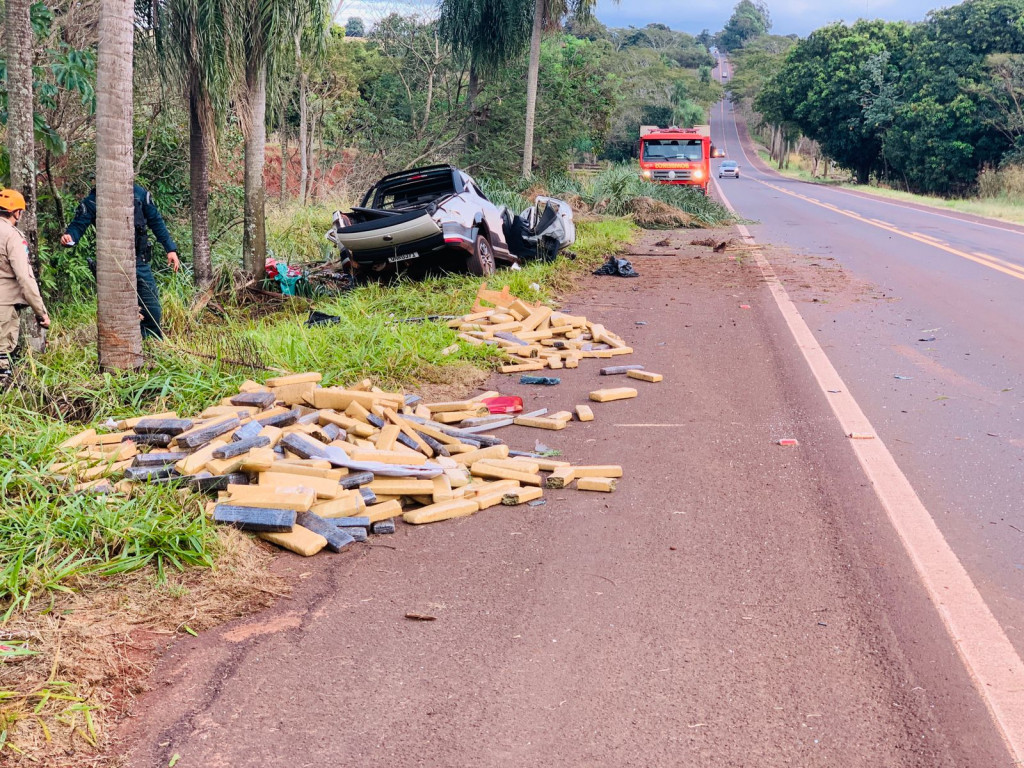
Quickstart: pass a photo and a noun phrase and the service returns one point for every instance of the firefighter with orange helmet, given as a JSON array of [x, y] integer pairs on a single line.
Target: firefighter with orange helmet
[[18, 286]]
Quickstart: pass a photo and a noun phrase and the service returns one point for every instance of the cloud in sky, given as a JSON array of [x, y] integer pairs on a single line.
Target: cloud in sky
[[788, 16]]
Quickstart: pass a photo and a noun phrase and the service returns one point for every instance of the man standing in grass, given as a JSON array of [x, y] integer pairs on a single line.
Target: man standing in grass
[[146, 217], [18, 286]]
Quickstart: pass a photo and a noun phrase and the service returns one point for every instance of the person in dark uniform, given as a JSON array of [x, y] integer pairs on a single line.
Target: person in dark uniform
[[147, 217]]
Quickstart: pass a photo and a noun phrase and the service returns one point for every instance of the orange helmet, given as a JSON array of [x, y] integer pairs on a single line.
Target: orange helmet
[[11, 200]]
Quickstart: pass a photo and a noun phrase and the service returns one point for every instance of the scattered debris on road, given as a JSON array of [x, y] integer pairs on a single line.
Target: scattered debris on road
[[308, 467], [617, 393], [789, 441], [534, 337], [649, 376], [617, 267]]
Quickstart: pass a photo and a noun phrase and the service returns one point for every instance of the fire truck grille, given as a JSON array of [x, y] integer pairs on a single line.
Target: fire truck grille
[[676, 175]]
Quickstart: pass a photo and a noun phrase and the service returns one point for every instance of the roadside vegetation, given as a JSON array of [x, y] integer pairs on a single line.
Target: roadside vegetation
[[249, 136], [872, 99]]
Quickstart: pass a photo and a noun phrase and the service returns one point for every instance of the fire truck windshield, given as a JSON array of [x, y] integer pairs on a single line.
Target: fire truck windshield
[[672, 149]]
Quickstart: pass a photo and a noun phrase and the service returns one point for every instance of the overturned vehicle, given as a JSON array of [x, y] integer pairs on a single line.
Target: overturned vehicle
[[438, 218]]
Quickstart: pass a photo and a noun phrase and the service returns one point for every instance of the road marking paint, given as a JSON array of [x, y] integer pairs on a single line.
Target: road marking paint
[[895, 203], [993, 664], [1003, 262], [992, 262], [948, 375]]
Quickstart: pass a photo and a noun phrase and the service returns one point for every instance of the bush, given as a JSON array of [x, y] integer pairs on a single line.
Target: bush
[[1007, 181]]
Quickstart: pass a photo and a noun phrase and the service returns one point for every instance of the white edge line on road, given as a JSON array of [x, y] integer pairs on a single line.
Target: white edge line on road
[[990, 658]]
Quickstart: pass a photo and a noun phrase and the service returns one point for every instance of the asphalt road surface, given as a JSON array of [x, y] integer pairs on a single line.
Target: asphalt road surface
[[735, 603], [937, 363]]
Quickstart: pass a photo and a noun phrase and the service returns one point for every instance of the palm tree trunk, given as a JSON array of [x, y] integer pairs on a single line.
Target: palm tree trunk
[[303, 137], [254, 233], [119, 337], [532, 75], [18, 41], [472, 92], [282, 128], [199, 183]]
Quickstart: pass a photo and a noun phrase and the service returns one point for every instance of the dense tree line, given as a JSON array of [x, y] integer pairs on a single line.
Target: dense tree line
[[924, 106]]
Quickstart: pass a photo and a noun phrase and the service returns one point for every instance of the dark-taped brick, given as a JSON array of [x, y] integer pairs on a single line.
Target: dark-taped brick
[[255, 518], [383, 527], [359, 534], [337, 539]]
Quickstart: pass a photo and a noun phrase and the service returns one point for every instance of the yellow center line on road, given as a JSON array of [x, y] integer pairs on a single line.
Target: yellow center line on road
[[986, 260], [995, 667]]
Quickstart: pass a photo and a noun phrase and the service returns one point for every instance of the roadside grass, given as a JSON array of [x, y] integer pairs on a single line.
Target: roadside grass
[[1003, 207], [1000, 204], [617, 191], [60, 550]]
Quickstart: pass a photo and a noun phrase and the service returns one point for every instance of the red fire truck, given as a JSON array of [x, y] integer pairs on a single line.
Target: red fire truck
[[677, 155]]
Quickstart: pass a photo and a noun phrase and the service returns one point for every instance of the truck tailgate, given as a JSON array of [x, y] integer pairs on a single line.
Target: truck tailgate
[[389, 232]]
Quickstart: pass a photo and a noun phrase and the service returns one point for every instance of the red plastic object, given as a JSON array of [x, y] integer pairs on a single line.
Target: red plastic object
[[504, 404]]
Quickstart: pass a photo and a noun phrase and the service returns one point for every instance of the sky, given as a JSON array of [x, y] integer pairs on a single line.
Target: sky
[[788, 16]]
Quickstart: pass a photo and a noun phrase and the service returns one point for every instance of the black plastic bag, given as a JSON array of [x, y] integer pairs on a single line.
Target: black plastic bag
[[617, 267]]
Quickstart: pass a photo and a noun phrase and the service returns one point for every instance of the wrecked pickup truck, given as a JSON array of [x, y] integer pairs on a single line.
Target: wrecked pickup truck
[[437, 217]]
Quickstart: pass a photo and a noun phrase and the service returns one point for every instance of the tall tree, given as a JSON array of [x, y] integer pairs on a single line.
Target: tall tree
[[355, 27], [18, 40], [264, 32], [489, 33], [194, 54], [821, 89], [540, 7], [748, 21], [119, 336], [546, 13]]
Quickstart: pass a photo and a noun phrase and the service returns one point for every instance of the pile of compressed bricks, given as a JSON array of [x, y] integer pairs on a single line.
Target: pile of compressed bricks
[[534, 337], [310, 467]]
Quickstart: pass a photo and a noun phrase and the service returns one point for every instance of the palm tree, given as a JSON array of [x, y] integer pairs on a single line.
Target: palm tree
[[490, 33], [545, 13], [540, 8], [265, 32], [119, 338], [18, 40], [194, 55]]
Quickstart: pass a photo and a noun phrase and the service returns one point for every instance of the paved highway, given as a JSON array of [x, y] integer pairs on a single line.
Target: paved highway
[[935, 356], [734, 603]]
